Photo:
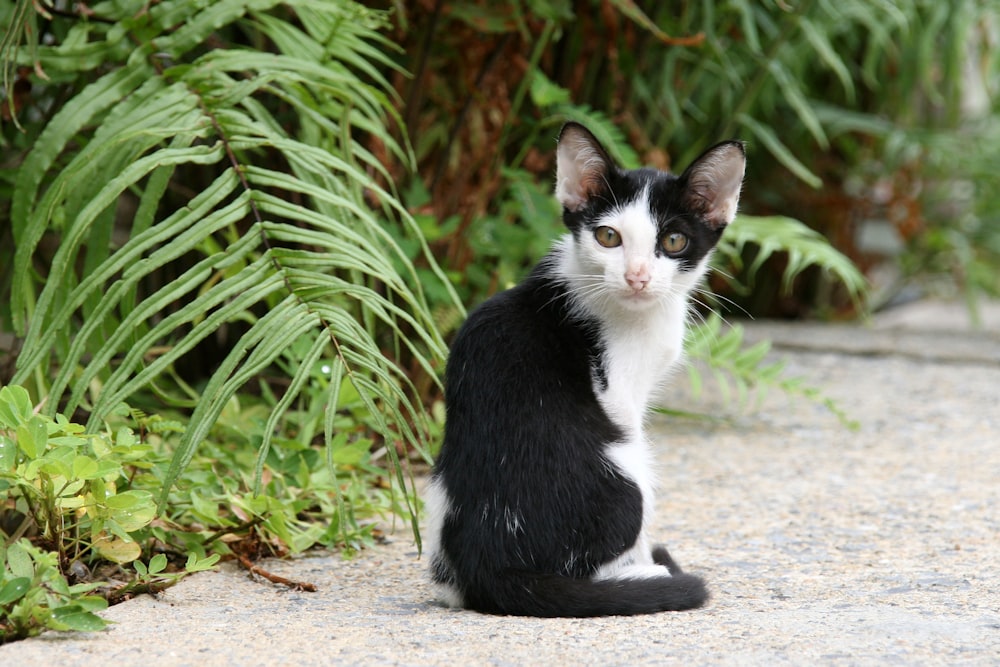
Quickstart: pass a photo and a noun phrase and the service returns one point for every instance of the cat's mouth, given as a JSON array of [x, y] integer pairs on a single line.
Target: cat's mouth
[[638, 298]]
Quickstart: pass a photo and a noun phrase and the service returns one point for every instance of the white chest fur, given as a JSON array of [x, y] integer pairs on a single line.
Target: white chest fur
[[638, 357]]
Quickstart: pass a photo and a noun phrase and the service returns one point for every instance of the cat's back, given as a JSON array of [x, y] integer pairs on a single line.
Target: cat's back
[[520, 378], [522, 337]]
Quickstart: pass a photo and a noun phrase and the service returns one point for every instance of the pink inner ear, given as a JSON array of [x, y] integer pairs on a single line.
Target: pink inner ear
[[592, 183], [717, 211], [714, 184], [581, 168]]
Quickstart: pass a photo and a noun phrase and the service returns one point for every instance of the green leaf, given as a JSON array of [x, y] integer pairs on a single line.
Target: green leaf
[[92, 100], [132, 510], [780, 152], [158, 563], [352, 454], [128, 499], [14, 590], [8, 453], [745, 369], [194, 28], [19, 561], [298, 381], [748, 24], [117, 549], [544, 92], [792, 92], [70, 489], [32, 437], [76, 617], [821, 43], [85, 467], [195, 564], [632, 10], [15, 406]]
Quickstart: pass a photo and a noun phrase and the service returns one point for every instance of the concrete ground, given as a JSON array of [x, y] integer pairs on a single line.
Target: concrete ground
[[821, 545]]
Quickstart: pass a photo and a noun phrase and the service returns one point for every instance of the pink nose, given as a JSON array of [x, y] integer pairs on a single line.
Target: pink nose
[[637, 280]]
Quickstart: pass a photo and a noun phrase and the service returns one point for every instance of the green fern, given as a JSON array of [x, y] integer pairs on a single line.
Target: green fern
[[252, 205], [745, 370], [742, 372], [555, 101], [804, 247]]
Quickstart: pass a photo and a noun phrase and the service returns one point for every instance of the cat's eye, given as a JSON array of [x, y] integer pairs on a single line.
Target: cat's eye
[[607, 236], [674, 243]]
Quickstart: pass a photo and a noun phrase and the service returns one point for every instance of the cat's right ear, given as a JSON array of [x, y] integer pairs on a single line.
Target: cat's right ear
[[713, 182], [582, 167]]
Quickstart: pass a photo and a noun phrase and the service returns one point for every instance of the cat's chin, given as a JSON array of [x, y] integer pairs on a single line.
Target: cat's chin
[[641, 300]]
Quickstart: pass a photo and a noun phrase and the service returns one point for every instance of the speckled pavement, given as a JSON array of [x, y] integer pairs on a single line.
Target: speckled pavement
[[821, 545]]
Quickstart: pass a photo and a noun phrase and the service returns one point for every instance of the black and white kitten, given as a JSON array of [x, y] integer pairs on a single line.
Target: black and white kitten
[[542, 493]]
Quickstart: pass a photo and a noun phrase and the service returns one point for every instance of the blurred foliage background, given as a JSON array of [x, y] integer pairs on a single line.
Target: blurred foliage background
[[236, 235], [875, 123]]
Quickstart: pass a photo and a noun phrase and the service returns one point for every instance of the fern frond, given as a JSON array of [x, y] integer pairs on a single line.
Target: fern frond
[[608, 133], [745, 370], [803, 246], [252, 202]]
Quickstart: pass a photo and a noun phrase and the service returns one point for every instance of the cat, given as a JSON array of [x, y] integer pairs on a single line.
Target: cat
[[540, 498]]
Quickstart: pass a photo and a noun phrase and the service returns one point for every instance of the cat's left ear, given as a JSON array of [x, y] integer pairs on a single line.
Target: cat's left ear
[[712, 183], [582, 167]]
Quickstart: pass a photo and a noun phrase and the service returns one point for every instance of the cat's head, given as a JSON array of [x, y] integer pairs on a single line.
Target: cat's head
[[641, 236]]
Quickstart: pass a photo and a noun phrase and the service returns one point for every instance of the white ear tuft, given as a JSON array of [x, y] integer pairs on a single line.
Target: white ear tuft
[[582, 167], [713, 183]]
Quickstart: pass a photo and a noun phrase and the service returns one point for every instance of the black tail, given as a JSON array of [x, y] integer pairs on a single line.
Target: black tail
[[662, 557], [551, 595]]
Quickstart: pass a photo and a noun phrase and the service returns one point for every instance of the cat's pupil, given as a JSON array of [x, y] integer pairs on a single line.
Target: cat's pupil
[[607, 236], [674, 243]]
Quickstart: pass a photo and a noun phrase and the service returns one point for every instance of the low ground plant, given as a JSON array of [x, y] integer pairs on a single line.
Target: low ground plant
[[79, 526]]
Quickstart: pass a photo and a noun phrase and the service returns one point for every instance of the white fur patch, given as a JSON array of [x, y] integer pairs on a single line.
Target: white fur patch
[[437, 505], [634, 460], [651, 571]]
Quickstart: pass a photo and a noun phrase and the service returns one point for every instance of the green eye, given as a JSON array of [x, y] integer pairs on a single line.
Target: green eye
[[607, 236], [674, 243]]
